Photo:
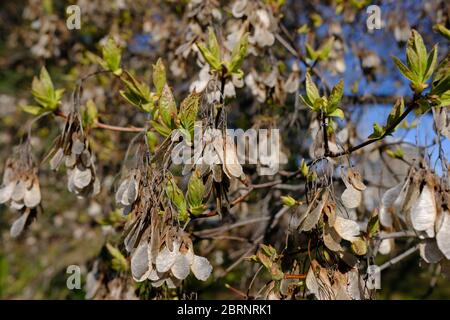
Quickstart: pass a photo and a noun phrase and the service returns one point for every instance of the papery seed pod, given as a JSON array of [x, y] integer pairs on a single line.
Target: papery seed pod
[[6, 192], [351, 197], [423, 213], [32, 196], [73, 148], [57, 159]]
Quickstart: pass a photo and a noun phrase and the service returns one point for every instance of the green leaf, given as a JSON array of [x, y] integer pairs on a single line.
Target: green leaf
[[159, 76], [112, 55], [303, 29], [119, 262], [188, 112], [442, 86], [378, 131], [46, 81], [335, 96], [161, 128], [196, 190], [34, 110], [442, 30], [431, 63], [442, 70], [396, 112], [152, 141], [238, 55], [338, 113], [44, 92], [304, 169], [397, 154], [311, 54], [373, 226], [269, 251], [137, 93], [441, 78], [312, 93], [288, 201], [325, 49], [359, 247], [421, 50], [167, 107], [209, 57], [89, 113], [404, 70], [97, 60], [413, 62], [213, 44], [177, 198], [444, 99]]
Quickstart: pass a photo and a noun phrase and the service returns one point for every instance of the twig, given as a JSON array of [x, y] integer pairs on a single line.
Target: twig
[[399, 258], [399, 234], [101, 125], [237, 292], [295, 276], [325, 134], [225, 228], [411, 106]]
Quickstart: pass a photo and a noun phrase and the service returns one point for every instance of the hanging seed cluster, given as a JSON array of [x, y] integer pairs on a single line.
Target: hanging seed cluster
[[128, 190], [72, 148], [168, 258], [20, 188], [421, 204], [160, 251]]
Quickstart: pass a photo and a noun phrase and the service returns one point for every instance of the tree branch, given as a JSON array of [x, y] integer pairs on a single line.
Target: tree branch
[[101, 125], [411, 106]]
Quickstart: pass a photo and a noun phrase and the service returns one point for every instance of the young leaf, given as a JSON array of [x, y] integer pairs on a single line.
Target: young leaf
[[442, 30], [209, 57], [119, 262], [396, 112], [137, 93], [34, 110], [89, 113], [238, 54], [338, 113], [312, 93], [44, 93], [378, 131], [196, 190], [213, 44], [112, 55], [288, 201], [421, 50], [325, 49], [405, 70], [304, 169], [161, 128], [159, 76], [431, 63], [167, 106], [311, 54], [176, 197], [335, 96], [373, 226], [188, 112]]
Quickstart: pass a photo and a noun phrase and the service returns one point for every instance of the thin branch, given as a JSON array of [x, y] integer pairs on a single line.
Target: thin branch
[[101, 125], [399, 258], [411, 106], [399, 234], [325, 134]]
